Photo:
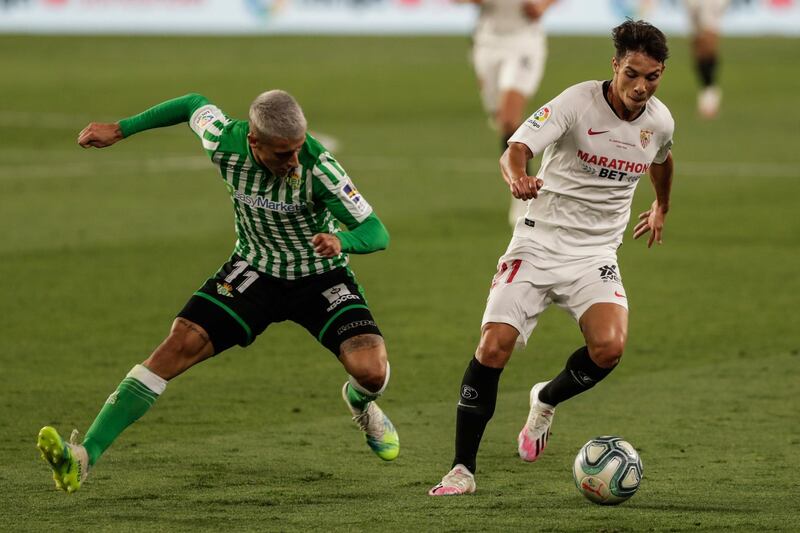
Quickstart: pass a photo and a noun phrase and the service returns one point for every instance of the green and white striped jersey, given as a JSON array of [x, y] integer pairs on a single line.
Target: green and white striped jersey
[[277, 216]]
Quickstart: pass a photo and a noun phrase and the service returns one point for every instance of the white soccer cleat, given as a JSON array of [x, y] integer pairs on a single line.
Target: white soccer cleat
[[456, 482], [534, 435], [381, 435], [708, 102]]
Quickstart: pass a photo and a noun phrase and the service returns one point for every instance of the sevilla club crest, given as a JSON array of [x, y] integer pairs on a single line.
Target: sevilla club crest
[[644, 137]]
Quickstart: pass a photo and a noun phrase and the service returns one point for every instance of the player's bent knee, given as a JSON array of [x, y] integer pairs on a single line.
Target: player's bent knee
[[496, 345], [365, 359], [607, 352], [370, 374], [371, 380], [492, 354]]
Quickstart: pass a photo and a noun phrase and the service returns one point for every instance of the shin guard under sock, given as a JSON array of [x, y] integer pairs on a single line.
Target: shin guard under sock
[[134, 396], [579, 375], [475, 408]]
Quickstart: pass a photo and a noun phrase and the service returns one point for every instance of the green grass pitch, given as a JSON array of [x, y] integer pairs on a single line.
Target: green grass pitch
[[101, 248]]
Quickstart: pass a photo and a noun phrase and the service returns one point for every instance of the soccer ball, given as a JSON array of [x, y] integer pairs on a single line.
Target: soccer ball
[[607, 470]]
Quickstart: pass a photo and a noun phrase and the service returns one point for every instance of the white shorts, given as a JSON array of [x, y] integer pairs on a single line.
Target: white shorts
[[503, 68], [706, 15], [521, 289]]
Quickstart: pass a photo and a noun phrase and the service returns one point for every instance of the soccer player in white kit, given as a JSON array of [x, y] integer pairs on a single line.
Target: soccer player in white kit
[[598, 139], [509, 53], [705, 17]]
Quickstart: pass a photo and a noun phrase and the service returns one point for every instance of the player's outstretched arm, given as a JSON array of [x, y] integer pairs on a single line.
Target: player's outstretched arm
[[652, 220], [100, 134], [175, 111]]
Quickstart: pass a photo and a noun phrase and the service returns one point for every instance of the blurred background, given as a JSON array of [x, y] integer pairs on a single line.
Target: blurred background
[[746, 17], [100, 249]]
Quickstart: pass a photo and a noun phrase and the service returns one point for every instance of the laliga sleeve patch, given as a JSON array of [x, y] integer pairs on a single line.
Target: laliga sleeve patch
[[537, 120], [203, 118], [353, 200]]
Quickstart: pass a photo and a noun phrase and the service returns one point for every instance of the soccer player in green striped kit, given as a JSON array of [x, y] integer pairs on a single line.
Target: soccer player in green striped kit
[[289, 263]]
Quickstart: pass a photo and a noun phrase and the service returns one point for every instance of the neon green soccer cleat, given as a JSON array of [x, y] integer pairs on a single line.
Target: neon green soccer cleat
[[69, 460], [381, 435]]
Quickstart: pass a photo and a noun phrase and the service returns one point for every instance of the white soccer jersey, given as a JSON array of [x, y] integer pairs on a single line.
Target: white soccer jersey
[[503, 23], [591, 164]]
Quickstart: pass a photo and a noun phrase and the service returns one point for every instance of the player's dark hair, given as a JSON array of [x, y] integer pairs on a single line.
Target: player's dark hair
[[640, 36]]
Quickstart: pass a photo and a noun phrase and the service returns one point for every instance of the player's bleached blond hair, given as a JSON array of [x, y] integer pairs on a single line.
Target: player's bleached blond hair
[[276, 114]]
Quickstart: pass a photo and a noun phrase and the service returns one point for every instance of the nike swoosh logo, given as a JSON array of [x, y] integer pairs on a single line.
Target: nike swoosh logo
[[618, 295], [592, 132]]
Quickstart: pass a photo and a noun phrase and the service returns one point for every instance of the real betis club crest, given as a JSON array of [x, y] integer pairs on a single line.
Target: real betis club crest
[[294, 180], [224, 289]]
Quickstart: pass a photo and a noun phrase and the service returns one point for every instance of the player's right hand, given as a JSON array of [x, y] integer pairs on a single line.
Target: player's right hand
[[100, 134], [326, 245], [526, 187]]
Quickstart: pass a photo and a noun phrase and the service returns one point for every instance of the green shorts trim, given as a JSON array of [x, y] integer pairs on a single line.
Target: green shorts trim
[[231, 312], [336, 315]]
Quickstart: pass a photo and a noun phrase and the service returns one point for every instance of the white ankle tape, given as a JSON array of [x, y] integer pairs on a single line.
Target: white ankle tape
[[152, 381], [360, 388]]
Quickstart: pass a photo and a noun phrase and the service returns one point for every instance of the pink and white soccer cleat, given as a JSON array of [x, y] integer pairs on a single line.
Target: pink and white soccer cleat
[[457, 481], [534, 435]]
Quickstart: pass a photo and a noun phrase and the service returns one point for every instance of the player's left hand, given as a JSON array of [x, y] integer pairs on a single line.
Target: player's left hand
[[326, 245], [651, 220]]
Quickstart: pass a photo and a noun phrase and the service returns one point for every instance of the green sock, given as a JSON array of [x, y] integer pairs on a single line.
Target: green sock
[[358, 399], [134, 396]]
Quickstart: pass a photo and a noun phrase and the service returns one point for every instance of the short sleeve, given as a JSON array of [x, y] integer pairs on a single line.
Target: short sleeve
[[666, 146], [550, 122], [663, 152]]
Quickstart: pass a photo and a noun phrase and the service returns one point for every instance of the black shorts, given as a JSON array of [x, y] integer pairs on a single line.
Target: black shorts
[[239, 302]]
